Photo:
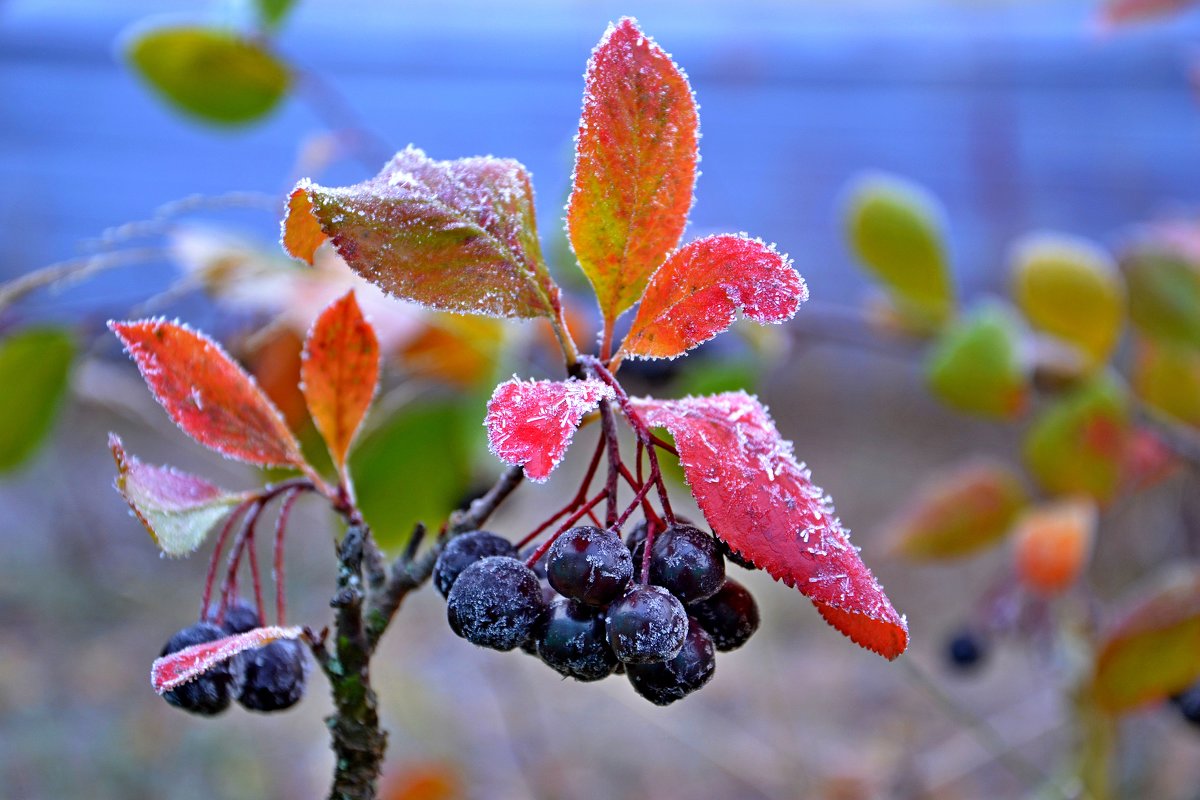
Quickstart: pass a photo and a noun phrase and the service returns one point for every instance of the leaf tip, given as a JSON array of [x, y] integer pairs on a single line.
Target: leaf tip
[[300, 231]]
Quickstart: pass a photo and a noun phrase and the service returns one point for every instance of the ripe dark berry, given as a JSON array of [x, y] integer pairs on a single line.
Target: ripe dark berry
[[730, 616], [210, 693], [274, 675], [648, 624], [496, 603], [1188, 703], [966, 650], [589, 565], [575, 641], [736, 557], [663, 684], [687, 562], [241, 616], [463, 551]]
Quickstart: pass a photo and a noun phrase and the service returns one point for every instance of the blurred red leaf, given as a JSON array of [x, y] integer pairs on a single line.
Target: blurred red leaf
[[184, 665], [340, 371], [635, 165], [531, 423], [696, 293], [454, 235], [177, 508], [1052, 544], [207, 394], [1124, 12], [765, 506]]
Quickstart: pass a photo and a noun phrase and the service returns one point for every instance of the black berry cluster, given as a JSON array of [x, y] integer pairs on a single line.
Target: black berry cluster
[[584, 612], [267, 678]]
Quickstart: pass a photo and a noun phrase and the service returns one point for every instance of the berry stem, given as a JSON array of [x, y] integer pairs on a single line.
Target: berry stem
[[575, 502], [278, 575], [211, 577], [609, 431], [245, 534], [256, 581], [571, 520], [637, 500]]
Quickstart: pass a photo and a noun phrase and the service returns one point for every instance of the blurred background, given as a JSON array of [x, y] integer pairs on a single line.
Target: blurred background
[[1017, 116]]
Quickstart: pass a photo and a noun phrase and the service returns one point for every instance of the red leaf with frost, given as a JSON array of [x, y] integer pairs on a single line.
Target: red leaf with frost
[[764, 505], [178, 509], [453, 235], [174, 670], [698, 291], [339, 373], [531, 423], [207, 394], [635, 165]]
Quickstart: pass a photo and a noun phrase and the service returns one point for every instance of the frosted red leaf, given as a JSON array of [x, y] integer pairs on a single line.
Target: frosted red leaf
[[765, 506], [531, 423], [174, 670], [207, 394], [453, 235], [177, 508], [635, 165], [339, 373], [698, 291]]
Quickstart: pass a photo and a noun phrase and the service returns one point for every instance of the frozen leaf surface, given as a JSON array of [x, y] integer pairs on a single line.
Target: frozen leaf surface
[[176, 669], [178, 509], [764, 505], [340, 370], [635, 165], [531, 423], [697, 292], [207, 394], [453, 235]]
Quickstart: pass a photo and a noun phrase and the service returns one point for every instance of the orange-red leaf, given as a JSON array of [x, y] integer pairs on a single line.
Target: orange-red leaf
[[453, 235], [176, 669], [697, 292], [1052, 544], [340, 370], [531, 423], [764, 505], [207, 394], [635, 165]]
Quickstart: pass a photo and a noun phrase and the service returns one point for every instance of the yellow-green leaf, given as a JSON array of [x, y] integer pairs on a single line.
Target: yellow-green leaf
[[975, 366], [896, 231], [959, 512], [34, 367], [1076, 444], [1166, 377], [214, 75], [1070, 288], [1164, 294], [1152, 652]]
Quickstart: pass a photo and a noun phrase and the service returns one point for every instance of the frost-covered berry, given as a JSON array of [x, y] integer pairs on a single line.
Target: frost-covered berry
[[241, 616], [211, 692], [496, 602], [966, 650], [687, 562], [274, 675], [575, 642], [647, 624], [589, 565], [691, 668], [464, 550], [730, 616]]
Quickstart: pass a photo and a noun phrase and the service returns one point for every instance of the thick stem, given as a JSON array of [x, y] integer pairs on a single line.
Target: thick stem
[[609, 434]]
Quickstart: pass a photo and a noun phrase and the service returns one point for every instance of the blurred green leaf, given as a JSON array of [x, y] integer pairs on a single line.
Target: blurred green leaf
[[1164, 295], [1077, 443], [895, 229], [413, 468], [1070, 288], [34, 367], [975, 366], [212, 74], [1167, 378], [273, 12], [717, 375]]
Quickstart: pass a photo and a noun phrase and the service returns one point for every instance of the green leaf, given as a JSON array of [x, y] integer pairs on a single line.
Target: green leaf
[[34, 367], [1077, 443], [1070, 288], [717, 375], [895, 229], [273, 12], [975, 366], [1164, 295], [413, 468], [212, 74], [1167, 378]]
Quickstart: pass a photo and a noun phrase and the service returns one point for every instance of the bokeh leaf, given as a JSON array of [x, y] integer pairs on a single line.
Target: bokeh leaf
[[1164, 294], [635, 165], [1052, 544], [1077, 442], [273, 12], [458, 349], [1166, 377], [896, 230], [975, 366], [214, 75], [1070, 288], [35, 365], [765, 506], [959, 512]]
